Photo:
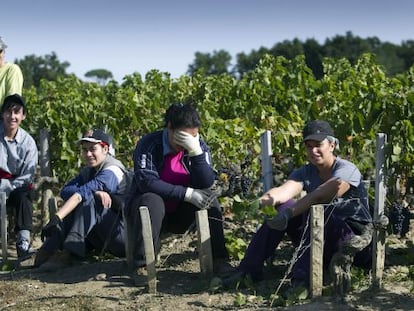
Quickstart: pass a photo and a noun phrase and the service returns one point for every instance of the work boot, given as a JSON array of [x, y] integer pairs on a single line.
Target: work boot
[[47, 250], [53, 262]]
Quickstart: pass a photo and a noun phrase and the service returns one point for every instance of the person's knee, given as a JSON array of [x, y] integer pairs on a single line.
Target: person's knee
[[215, 210], [152, 201]]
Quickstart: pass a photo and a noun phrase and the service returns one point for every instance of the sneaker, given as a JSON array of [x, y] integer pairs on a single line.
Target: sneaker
[[23, 250]]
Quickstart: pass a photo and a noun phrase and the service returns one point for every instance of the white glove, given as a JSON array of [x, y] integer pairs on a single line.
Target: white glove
[[188, 142], [280, 221], [201, 198]]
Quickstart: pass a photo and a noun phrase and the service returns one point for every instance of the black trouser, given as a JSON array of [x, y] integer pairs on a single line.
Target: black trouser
[[177, 222], [20, 204]]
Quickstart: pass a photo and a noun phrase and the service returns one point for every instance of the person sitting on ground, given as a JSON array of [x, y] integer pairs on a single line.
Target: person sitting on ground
[[326, 179], [173, 176], [18, 162], [91, 216]]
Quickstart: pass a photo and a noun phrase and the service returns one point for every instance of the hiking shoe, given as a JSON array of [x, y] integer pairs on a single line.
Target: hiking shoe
[[23, 250]]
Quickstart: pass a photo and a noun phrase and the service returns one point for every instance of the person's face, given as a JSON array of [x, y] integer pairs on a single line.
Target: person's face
[[319, 152], [94, 153], [191, 130], [12, 118]]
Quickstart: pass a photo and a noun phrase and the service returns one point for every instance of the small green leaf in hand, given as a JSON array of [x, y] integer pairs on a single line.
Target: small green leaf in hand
[[269, 211]]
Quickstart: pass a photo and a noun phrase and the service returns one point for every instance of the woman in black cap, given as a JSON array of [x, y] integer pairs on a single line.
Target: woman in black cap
[[326, 179]]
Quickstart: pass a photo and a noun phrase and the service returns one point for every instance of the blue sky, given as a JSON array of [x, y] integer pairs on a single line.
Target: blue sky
[[137, 36]]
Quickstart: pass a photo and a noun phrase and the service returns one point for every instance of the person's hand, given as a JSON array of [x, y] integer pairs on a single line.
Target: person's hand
[[329, 189], [188, 142], [53, 227], [201, 198], [266, 200], [105, 198], [280, 221]]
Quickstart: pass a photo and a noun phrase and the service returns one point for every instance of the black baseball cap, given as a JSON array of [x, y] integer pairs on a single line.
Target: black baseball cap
[[96, 136], [317, 130]]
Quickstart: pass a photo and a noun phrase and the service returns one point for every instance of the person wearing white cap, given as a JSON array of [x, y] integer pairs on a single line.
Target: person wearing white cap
[[11, 77], [90, 218]]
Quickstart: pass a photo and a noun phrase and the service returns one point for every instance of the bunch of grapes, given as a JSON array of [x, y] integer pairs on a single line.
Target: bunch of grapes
[[246, 184], [399, 219], [232, 181]]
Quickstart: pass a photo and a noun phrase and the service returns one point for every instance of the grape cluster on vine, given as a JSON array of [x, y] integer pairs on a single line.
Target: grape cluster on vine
[[232, 181], [399, 216]]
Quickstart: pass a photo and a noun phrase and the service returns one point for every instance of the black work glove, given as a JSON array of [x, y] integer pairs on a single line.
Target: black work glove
[[53, 227], [118, 202]]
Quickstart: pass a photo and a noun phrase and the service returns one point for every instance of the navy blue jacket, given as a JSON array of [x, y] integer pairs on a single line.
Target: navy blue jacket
[[149, 158]]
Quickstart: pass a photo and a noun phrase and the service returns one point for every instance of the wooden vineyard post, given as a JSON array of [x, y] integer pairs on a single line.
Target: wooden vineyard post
[[149, 249], [378, 239], [266, 158], [204, 242], [44, 160], [3, 226], [316, 259]]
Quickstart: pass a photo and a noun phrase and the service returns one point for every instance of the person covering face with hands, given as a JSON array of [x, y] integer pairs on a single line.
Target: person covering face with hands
[[173, 176]]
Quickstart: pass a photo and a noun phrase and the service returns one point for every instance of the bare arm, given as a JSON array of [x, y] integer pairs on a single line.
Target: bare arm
[[279, 195], [69, 206], [325, 193]]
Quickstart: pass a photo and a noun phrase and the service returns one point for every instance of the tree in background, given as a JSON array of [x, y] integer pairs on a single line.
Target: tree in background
[[247, 62], [394, 58], [100, 75], [210, 64], [313, 56], [406, 52], [35, 68]]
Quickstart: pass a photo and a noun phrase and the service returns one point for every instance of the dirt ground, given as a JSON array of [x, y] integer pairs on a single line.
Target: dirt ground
[[105, 284]]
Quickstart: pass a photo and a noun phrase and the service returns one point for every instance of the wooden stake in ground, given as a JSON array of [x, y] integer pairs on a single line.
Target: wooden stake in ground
[[266, 160], [3, 225], [378, 239], [317, 231], [204, 242], [149, 249]]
